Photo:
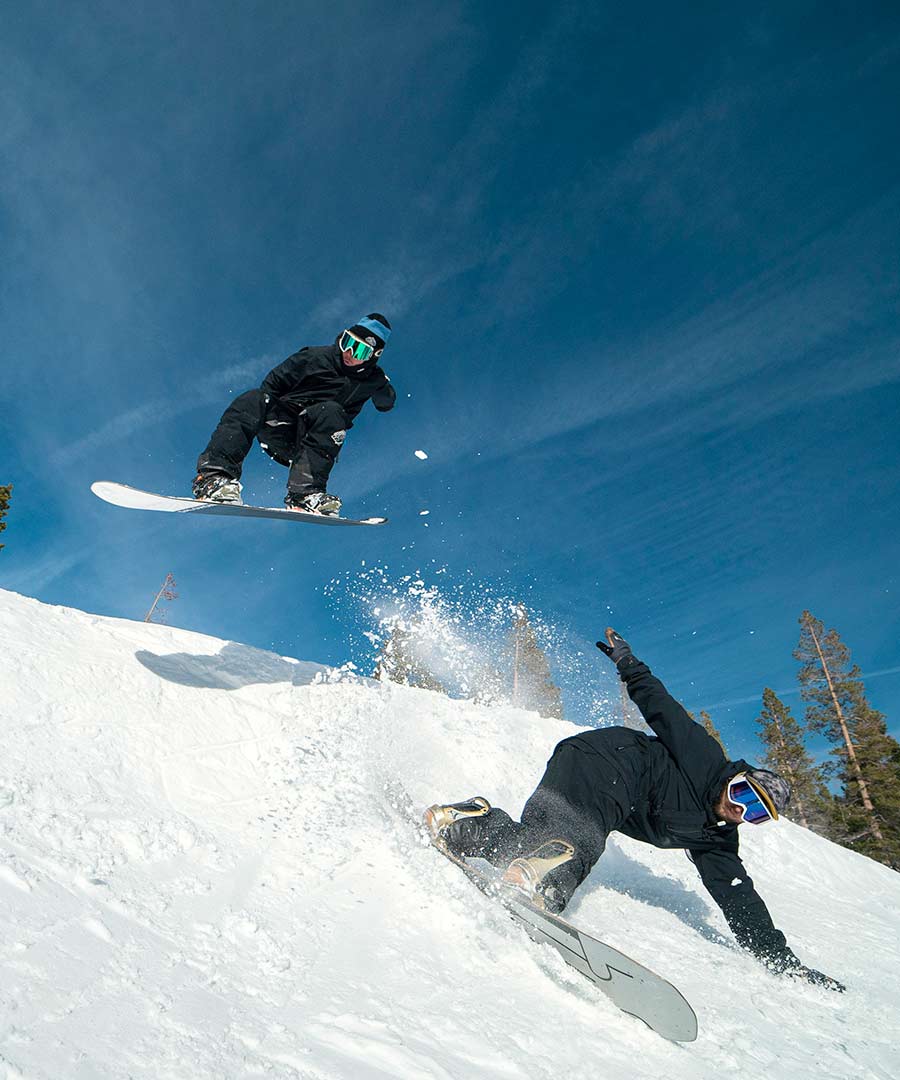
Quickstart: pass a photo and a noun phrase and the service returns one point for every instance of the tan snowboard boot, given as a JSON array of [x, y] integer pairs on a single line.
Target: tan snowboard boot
[[529, 874]]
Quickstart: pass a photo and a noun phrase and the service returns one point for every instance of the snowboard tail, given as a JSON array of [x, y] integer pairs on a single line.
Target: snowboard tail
[[635, 989], [135, 499]]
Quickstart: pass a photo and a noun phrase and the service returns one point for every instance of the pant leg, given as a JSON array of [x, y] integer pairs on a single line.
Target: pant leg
[[494, 836], [582, 797], [231, 441], [320, 436]]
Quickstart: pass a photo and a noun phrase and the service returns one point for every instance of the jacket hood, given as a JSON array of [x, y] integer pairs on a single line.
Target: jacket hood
[[721, 778]]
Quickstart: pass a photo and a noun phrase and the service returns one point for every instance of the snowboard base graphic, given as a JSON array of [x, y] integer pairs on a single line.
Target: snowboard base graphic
[[636, 990]]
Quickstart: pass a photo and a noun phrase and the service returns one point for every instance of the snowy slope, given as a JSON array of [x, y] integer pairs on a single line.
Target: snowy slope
[[202, 876]]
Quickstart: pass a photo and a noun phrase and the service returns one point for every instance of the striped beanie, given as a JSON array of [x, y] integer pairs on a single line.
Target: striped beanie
[[374, 325]]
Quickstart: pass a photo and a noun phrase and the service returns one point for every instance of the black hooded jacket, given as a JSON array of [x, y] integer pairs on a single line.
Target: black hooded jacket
[[683, 775], [317, 373]]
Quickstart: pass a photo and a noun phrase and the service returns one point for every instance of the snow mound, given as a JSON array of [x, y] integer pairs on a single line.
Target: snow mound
[[203, 873]]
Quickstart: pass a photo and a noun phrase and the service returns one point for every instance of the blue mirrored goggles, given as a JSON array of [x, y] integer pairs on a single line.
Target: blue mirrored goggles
[[756, 806], [359, 350]]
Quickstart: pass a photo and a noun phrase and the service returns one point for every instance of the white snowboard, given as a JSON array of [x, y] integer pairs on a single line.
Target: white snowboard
[[135, 499], [636, 990]]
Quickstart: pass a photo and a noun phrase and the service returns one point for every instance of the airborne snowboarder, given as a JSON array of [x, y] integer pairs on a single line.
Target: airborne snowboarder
[[674, 790], [300, 416]]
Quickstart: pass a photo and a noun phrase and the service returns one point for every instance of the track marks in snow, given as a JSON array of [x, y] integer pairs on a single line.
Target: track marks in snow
[[217, 883], [9, 875]]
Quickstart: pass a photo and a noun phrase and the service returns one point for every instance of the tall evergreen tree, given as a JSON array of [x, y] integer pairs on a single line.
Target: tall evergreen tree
[[532, 685], [399, 662], [878, 756], [5, 493], [782, 736], [868, 759]]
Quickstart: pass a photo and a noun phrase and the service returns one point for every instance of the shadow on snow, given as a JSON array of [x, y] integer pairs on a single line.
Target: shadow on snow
[[615, 870], [233, 667]]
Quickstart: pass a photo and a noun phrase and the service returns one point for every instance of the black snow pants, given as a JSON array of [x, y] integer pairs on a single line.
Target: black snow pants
[[589, 788], [307, 442]]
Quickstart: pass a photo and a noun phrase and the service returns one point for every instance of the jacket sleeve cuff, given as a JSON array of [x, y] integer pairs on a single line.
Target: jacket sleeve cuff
[[629, 667]]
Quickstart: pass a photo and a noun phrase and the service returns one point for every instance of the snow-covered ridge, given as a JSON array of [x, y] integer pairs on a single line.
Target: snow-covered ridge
[[203, 876]]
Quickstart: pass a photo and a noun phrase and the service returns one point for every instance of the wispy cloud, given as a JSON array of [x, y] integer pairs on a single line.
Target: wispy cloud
[[439, 243], [792, 691], [36, 574], [812, 323], [816, 325], [161, 410]]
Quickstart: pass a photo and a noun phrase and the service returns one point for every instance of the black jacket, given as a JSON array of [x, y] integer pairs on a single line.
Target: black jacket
[[317, 373], [685, 772]]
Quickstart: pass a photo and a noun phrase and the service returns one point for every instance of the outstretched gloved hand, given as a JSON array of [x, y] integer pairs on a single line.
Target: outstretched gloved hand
[[617, 649]]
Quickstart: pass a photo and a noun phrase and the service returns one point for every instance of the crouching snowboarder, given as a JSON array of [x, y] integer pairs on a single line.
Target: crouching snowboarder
[[300, 415], [676, 790]]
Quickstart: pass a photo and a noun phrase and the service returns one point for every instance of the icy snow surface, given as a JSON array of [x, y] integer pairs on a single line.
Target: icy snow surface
[[202, 876]]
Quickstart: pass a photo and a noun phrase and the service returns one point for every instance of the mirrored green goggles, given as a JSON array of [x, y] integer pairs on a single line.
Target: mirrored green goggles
[[359, 350]]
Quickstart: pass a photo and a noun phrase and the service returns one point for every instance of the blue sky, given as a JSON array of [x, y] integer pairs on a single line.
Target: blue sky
[[642, 270]]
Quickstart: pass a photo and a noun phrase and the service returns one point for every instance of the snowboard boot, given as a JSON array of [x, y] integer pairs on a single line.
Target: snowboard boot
[[217, 487], [456, 826], [536, 875], [314, 502]]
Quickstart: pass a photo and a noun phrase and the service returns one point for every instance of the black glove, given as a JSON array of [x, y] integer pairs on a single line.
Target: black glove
[[618, 649], [817, 978]]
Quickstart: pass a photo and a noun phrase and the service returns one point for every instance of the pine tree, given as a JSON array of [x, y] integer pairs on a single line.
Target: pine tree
[[398, 662], [5, 492], [782, 737], [532, 684], [878, 756], [868, 759]]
